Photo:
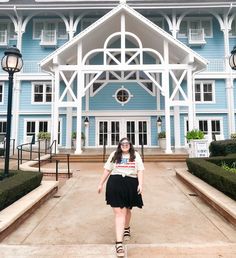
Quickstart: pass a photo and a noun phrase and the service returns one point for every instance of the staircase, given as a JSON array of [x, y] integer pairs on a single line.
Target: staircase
[[159, 157]]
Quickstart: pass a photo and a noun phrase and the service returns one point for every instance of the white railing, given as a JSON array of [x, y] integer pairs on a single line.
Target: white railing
[[196, 37], [31, 67], [48, 38], [3, 38], [216, 65]]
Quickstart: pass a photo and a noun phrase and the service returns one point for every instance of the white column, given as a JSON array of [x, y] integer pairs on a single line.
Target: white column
[[229, 79], [177, 124], [167, 111], [16, 89], [190, 100], [166, 85], [80, 88], [69, 111], [15, 109], [56, 106]]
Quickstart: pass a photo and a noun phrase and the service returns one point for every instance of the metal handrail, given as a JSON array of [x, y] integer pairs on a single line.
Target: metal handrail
[[68, 166], [31, 151]]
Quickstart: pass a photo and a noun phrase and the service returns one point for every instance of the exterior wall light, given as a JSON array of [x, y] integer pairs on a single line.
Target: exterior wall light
[[159, 121], [86, 121]]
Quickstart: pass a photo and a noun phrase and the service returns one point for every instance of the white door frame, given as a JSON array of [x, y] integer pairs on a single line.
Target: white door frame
[[123, 128]]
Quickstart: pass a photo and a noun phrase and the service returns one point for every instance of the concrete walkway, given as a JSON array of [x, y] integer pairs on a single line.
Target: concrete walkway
[[77, 223]]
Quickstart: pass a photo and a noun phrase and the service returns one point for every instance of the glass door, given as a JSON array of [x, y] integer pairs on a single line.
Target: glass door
[[130, 131], [115, 133], [142, 132]]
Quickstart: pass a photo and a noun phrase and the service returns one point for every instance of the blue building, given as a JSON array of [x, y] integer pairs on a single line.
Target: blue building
[[120, 66]]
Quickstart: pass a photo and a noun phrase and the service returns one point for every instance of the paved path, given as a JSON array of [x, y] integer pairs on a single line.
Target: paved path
[[77, 223]]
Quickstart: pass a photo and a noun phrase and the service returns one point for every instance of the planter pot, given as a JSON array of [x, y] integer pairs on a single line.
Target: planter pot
[[162, 143], [198, 148], [74, 143]]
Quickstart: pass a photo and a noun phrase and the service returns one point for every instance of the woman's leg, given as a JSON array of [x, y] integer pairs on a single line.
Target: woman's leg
[[120, 216], [127, 218]]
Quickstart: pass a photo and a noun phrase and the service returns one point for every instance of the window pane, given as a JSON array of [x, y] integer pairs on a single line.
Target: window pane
[[197, 96], [38, 27], [206, 25], [183, 28], [207, 97]]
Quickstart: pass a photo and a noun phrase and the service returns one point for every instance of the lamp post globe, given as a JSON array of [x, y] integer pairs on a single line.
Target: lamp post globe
[[232, 59], [11, 63]]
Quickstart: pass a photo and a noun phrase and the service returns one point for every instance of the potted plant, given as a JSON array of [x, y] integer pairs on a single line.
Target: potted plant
[[194, 135], [198, 146], [233, 136], [44, 138], [162, 139]]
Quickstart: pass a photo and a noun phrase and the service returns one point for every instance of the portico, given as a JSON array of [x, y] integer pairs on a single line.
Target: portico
[[122, 43]]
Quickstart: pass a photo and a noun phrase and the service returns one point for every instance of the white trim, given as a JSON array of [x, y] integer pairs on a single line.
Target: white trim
[[202, 82], [123, 128], [44, 84]]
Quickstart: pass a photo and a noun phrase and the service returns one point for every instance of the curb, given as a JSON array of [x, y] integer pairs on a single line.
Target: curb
[[12, 216], [219, 201]]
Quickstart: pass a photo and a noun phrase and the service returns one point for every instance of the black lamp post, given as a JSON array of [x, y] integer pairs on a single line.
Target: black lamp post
[[232, 59], [11, 63]]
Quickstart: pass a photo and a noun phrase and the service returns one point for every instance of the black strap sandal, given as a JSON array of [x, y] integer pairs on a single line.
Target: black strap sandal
[[120, 252], [127, 233]]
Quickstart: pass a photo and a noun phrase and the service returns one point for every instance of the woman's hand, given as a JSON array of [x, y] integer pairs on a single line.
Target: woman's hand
[[100, 188], [140, 189]]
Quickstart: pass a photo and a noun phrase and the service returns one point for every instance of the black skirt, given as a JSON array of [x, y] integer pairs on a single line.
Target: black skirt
[[122, 192]]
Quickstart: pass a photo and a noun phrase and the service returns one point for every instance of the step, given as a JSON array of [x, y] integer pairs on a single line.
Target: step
[[99, 158]]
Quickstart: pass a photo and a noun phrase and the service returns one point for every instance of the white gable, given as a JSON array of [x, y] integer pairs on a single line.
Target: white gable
[[150, 34]]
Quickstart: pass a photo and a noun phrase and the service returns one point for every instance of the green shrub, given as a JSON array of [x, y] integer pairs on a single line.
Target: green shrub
[[222, 148], [18, 184], [194, 135], [214, 175]]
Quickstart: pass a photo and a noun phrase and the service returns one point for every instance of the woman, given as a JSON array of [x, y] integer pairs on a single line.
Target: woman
[[124, 168]]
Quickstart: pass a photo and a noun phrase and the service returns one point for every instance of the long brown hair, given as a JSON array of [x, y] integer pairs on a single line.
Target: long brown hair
[[118, 153]]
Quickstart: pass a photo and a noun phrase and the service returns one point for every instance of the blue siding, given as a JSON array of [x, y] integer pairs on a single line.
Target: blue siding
[[153, 130], [26, 98], [141, 99], [220, 98], [92, 131]]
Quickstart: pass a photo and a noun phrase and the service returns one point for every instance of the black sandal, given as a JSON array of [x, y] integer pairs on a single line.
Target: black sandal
[[127, 233], [120, 252]]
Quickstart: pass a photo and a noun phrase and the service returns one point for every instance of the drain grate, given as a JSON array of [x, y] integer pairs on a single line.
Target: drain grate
[[193, 194]]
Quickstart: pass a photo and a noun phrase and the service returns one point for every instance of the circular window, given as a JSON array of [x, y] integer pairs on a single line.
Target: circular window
[[122, 96]]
